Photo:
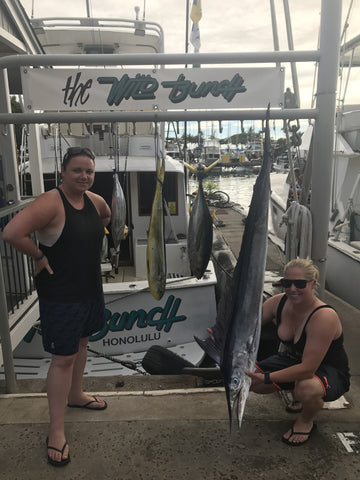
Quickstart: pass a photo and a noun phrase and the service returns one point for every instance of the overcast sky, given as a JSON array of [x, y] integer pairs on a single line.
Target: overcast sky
[[226, 26]]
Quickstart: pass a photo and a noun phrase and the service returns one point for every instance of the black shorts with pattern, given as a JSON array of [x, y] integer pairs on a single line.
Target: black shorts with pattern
[[64, 324], [333, 382]]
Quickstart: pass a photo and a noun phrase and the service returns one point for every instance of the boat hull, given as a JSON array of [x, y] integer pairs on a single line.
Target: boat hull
[[135, 321], [342, 270]]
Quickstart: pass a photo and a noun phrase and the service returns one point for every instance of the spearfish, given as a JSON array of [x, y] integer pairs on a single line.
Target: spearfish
[[200, 232], [155, 251], [237, 333], [118, 213]]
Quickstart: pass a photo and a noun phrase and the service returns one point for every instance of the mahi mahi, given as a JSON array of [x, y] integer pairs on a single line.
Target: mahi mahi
[[200, 232], [237, 333], [118, 213], [155, 251]]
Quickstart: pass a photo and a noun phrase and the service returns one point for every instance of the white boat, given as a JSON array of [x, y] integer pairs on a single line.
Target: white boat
[[344, 241], [343, 251], [135, 320], [173, 149], [211, 150], [68, 89]]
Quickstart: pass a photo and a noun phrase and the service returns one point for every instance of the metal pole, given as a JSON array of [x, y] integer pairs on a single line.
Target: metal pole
[[117, 59], [187, 28], [87, 8], [291, 47], [156, 116], [274, 28], [324, 132], [186, 51], [6, 347]]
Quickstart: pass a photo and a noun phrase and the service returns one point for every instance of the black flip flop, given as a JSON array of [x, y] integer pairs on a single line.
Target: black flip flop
[[298, 444], [55, 463], [87, 405]]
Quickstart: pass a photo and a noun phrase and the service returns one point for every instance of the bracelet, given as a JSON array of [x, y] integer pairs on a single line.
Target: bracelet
[[267, 380], [37, 259]]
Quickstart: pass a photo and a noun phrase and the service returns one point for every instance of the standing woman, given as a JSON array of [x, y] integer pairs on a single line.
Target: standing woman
[[314, 365], [69, 223]]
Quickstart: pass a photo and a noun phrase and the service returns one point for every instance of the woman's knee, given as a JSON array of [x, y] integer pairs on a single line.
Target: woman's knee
[[63, 361], [307, 389]]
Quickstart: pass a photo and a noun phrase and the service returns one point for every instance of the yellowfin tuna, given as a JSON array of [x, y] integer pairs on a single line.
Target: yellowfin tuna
[[118, 213]]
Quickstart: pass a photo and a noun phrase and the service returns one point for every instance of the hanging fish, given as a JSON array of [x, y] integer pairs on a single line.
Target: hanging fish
[[200, 232], [155, 251], [118, 213], [235, 348]]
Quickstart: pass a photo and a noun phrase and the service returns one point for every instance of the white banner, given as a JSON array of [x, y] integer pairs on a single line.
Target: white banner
[[163, 89]]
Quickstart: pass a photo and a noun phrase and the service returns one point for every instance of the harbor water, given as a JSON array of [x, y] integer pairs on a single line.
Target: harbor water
[[238, 187]]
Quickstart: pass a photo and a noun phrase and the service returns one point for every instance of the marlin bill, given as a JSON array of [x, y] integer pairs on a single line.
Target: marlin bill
[[237, 332], [155, 251]]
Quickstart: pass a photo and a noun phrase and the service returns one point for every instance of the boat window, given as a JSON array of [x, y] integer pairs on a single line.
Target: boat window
[[146, 184]]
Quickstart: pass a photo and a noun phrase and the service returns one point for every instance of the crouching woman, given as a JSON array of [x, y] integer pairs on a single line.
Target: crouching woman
[[314, 364]]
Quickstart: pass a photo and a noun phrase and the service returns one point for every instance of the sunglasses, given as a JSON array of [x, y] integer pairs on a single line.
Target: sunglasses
[[73, 151], [286, 283]]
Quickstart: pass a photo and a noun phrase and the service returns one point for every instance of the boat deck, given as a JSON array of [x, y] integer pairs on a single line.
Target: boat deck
[[125, 273]]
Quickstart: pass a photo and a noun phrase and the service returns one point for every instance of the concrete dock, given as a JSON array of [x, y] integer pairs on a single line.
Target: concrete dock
[[174, 427]]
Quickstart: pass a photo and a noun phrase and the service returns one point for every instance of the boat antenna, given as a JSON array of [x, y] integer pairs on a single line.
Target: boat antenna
[[144, 10], [88, 8]]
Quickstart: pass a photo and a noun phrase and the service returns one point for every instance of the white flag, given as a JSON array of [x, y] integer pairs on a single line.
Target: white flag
[[195, 37], [195, 15]]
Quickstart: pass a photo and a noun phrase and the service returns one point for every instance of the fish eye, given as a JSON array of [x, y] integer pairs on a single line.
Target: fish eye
[[235, 381]]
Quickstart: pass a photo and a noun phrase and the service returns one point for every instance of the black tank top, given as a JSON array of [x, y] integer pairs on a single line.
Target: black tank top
[[74, 257], [335, 356]]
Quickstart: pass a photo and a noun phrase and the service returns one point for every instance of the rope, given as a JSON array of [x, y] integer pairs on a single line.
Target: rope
[[125, 363], [299, 231]]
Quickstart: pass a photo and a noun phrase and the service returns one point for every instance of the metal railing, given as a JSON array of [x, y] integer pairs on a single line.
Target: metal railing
[[18, 269], [16, 287]]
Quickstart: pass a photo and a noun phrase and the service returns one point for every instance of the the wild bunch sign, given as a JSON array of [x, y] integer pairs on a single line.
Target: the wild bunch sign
[[163, 89]]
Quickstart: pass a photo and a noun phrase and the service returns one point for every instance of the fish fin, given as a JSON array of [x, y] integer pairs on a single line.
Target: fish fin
[[210, 348]]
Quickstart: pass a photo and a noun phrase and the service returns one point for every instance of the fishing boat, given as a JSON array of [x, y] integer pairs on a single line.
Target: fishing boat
[[211, 150], [108, 101], [343, 247], [173, 149], [135, 320]]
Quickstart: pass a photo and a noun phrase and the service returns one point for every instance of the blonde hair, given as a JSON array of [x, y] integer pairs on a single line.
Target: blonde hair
[[310, 270]]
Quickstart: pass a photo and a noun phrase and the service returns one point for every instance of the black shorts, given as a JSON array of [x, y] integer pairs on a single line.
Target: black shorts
[[64, 324], [333, 382]]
